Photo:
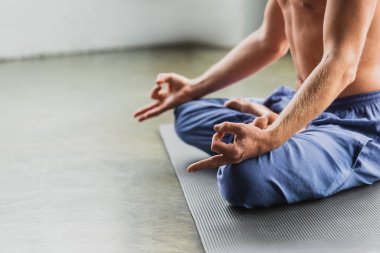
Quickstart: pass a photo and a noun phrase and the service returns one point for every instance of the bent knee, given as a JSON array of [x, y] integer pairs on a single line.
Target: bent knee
[[183, 126], [249, 186], [191, 126]]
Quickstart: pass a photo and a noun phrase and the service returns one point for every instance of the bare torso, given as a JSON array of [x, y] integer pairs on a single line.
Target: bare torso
[[304, 31]]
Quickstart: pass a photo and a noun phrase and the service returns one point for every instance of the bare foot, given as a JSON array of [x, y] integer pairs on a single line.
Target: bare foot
[[256, 109], [261, 122], [237, 104]]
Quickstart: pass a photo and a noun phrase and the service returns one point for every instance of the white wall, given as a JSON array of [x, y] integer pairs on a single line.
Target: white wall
[[43, 27]]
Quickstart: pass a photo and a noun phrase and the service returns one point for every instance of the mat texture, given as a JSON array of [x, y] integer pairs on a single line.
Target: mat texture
[[346, 222]]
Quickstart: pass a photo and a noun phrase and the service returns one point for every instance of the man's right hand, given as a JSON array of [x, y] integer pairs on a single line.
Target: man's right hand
[[177, 91]]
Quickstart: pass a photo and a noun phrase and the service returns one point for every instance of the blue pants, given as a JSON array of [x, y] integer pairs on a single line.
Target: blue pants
[[340, 149]]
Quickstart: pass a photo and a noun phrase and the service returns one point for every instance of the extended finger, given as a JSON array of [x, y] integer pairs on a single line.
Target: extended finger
[[209, 163], [145, 109], [152, 113], [230, 127]]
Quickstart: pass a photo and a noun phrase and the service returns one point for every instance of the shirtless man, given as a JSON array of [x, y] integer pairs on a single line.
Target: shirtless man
[[311, 142]]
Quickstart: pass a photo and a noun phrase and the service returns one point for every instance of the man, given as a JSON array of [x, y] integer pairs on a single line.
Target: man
[[326, 137]]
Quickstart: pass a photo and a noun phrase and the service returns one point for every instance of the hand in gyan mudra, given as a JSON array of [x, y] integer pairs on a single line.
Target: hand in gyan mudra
[[170, 90], [250, 140]]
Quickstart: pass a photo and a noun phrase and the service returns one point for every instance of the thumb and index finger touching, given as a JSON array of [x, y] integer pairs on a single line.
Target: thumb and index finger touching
[[157, 93], [230, 127], [218, 146]]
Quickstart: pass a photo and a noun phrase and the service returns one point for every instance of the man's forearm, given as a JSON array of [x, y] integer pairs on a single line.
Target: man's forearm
[[248, 57], [318, 91], [344, 36]]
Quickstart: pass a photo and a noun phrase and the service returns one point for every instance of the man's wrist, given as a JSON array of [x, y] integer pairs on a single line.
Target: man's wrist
[[196, 88], [274, 136]]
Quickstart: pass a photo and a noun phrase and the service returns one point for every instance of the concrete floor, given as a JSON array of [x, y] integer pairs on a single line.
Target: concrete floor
[[77, 173]]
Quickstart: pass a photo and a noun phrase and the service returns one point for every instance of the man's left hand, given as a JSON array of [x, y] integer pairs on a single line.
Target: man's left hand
[[250, 140]]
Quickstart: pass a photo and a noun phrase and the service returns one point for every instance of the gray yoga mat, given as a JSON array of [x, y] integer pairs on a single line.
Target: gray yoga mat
[[347, 222]]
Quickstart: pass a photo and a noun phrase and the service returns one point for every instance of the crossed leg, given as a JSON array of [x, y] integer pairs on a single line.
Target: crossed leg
[[318, 162]]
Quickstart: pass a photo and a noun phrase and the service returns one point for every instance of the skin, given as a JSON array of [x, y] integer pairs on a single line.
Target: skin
[[333, 44]]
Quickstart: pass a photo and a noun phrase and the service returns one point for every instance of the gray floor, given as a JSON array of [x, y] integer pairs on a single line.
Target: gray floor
[[77, 173]]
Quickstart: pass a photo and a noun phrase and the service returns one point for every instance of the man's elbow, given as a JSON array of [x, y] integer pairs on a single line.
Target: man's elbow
[[274, 44], [282, 48], [349, 74], [277, 48], [346, 62]]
